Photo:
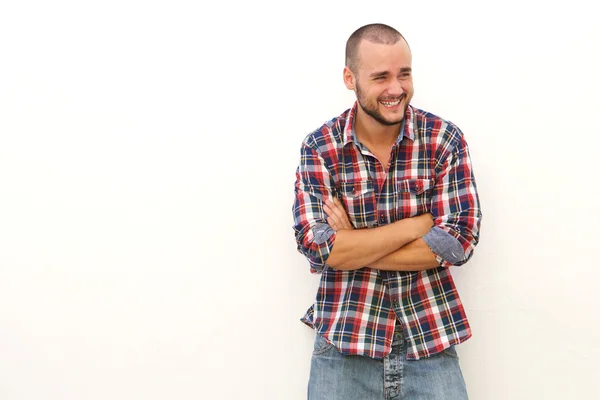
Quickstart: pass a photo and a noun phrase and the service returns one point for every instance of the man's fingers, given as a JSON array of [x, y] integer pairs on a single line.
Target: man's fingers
[[341, 212], [337, 217], [332, 210], [333, 219], [332, 224], [335, 224], [337, 208]]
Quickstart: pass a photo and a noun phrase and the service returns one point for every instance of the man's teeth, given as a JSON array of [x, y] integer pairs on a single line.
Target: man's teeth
[[391, 103]]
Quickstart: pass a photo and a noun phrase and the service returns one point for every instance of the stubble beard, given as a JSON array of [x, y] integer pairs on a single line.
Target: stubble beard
[[373, 112]]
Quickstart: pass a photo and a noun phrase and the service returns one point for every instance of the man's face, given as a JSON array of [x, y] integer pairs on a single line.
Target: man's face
[[383, 81]]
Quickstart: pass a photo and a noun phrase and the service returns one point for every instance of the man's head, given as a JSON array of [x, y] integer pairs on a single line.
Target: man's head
[[379, 70]]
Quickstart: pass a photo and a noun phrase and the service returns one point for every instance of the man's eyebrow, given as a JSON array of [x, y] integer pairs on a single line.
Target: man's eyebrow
[[385, 73], [378, 74]]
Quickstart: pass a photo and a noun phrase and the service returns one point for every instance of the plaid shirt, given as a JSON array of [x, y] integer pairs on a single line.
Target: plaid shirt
[[430, 171]]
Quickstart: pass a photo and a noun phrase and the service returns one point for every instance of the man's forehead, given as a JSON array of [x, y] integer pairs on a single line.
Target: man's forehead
[[373, 55], [366, 44]]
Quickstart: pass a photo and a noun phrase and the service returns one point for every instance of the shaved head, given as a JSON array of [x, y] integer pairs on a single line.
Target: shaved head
[[376, 33]]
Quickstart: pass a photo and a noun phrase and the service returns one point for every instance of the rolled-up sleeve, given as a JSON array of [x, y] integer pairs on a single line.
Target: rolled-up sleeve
[[455, 203], [445, 246], [314, 236]]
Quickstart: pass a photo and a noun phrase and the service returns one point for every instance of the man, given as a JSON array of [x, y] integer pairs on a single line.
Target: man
[[385, 203]]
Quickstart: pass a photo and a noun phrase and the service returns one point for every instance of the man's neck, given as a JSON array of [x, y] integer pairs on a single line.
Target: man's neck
[[373, 133]]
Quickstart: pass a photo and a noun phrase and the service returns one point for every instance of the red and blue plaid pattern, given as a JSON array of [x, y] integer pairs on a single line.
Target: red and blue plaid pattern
[[430, 171]]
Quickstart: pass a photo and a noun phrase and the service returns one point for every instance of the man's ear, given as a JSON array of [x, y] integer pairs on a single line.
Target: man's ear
[[349, 79]]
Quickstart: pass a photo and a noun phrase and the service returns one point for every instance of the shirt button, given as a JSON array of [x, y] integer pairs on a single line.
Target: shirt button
[[395, 303]]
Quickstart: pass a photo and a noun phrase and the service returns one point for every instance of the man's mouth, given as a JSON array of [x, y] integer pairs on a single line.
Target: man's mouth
[[391, 103]]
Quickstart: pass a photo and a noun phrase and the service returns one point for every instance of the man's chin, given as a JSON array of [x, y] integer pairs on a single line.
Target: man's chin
[[379, 117], [395, 119], [390, 123]]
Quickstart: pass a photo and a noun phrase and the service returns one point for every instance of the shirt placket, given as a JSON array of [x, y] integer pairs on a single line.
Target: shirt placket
[[383, 189], [385, 202]]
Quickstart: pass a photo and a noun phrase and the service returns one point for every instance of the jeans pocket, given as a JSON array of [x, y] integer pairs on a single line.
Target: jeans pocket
[[322, 346], [451, 352]]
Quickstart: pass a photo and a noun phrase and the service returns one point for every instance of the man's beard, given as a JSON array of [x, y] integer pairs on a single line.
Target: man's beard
[[374, 111]]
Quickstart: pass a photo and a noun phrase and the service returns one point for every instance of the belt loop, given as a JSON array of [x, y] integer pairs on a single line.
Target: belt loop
[[398, 330]]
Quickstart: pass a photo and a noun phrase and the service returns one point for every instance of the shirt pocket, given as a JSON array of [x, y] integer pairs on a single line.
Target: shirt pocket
[[358, 198], [414, 197]]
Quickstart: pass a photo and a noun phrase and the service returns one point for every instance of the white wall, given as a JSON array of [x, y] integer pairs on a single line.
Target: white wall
[[147, 157]]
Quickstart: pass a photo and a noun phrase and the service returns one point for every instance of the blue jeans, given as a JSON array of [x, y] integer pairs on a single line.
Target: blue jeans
[[334, 376]]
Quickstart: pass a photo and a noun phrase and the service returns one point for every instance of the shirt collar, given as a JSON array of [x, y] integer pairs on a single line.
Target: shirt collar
[[406, 129]]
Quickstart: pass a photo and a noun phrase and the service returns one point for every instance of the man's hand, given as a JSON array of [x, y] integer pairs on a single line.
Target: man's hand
[[337, 217], [425, 221]]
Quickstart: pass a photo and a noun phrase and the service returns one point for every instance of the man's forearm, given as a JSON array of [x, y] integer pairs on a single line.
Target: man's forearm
[[423, 253], [415, 256], [357, 248]]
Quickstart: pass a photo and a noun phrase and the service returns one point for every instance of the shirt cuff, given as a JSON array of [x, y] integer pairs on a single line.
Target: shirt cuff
[[322, 238], [444, 245], [322, 233]]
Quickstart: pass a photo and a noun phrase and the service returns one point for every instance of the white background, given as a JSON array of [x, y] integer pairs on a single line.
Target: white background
[[147, 158]]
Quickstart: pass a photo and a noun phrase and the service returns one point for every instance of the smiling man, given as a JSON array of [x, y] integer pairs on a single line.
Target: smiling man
[[385, 204]]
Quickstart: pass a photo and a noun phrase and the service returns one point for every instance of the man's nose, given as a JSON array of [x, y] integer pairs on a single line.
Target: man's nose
[[395, 88]]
